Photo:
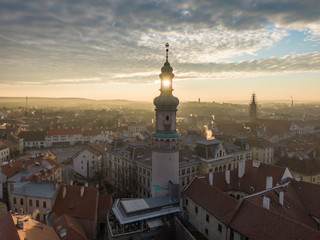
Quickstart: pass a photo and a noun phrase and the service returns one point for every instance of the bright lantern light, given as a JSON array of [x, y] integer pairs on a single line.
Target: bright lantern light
[[166, 83]]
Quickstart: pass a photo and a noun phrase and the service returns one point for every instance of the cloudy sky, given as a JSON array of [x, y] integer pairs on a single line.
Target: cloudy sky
[[221, 50]]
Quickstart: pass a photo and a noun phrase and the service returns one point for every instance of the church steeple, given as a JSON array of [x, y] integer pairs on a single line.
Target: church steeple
[[253, 107]]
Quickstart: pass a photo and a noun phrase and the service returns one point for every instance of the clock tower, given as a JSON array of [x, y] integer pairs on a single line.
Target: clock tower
[[165, 139]]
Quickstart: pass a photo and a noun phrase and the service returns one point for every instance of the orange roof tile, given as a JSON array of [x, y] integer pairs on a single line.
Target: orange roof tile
[[72, 226], [76, 206], [256, 222], [33, 229], [64, 131], [8, 230], [104, 206]]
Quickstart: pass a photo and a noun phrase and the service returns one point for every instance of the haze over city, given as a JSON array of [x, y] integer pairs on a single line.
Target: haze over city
[[220, 50]]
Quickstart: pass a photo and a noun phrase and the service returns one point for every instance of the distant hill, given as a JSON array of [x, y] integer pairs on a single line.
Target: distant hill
[[83, 103]]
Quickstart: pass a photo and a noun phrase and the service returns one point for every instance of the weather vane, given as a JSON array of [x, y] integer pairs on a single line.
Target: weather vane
[[167, 50]]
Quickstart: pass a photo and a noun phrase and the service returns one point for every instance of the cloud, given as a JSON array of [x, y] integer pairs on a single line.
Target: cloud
[[122, 40], [187, 71]]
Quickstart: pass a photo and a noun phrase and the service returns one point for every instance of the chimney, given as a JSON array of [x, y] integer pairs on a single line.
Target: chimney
[[241, 168], [71, 183], [211, 177], [20, 223], [228, 176], [64, 192], [256, 163], [266, 202], [82, 191], [269, 182], [281, 198]]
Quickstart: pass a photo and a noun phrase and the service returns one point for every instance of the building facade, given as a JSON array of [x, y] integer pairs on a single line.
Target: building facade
[[33, 198], [62, 137], [4, 154]]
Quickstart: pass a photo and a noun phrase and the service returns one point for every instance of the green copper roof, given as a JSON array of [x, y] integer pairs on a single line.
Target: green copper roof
[[166, 134]]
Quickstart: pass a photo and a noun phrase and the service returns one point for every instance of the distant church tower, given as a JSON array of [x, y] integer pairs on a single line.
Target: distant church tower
[[253, 107], [165, 139]]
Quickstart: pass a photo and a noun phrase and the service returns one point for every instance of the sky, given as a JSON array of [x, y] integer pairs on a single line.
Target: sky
[[220, 50]]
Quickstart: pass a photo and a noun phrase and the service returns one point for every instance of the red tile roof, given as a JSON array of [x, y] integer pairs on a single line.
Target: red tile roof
[[253, 177], [256, 222], [64, 131], [213, 200], [12, 169], [306, 166], [72, 226], [309, 195], [76, 206], [292, 220], [8, 230], [259, 143], [104, 206]]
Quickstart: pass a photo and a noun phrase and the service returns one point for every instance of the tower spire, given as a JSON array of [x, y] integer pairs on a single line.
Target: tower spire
[[167, 51]]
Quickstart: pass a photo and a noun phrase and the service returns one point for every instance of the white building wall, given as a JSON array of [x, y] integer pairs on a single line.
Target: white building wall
[[165, 168], [4, 155], [84, 160], [72, 139], [210, 227]]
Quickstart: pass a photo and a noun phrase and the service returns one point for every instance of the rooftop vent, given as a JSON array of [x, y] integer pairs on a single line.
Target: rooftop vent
[[241, 168], [63, 233], [266, 202], [82, 191], [281, 198], [228, 176], [269, 182], [211, 177], [64, 192], [256, 163]]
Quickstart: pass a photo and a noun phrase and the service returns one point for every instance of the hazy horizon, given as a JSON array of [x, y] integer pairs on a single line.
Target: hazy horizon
[[220, 50]]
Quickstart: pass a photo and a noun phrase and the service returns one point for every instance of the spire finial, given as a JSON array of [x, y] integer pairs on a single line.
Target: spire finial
[[167, 51]]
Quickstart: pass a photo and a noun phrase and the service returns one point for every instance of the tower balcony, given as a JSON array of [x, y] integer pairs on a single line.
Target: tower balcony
[[165, 144]]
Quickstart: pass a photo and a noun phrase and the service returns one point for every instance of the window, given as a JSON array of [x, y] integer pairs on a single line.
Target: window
[[30, 202], [206, 231], [21, 201], [219, 227], [196, 209], [207, 218], [14, 200], [44, 204], [167, 118], [186, 202], [37, 203]]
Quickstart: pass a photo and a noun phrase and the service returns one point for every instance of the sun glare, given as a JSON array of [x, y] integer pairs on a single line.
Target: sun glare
[[166, 83]]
